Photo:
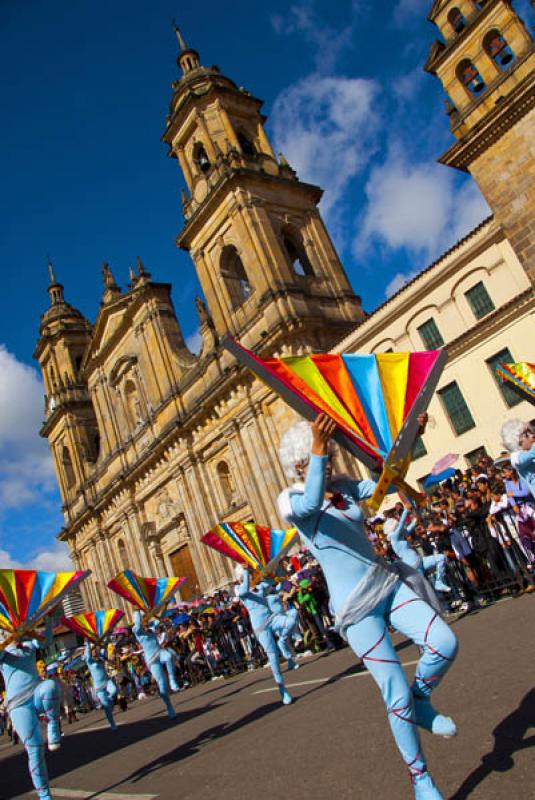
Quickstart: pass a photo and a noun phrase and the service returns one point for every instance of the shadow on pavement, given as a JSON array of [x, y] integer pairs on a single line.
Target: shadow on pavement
[[77, 751], [187, 749], [508, 739]]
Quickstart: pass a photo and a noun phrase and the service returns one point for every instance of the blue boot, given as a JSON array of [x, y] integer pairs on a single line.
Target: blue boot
[[286, 697], [428, 718], [292, 664], [425, 789]]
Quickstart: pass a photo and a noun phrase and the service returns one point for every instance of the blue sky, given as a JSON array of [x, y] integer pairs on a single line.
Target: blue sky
[[85, 90]]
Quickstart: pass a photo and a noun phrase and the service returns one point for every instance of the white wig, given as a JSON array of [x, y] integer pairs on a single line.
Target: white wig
[[390, 525], [295, 448], [511, 432]]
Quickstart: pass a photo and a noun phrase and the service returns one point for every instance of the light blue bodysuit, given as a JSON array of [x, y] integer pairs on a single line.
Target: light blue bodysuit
[[256, 603], [524, 463], [151, 651], [105, 688], [27, 696], [367, 597]]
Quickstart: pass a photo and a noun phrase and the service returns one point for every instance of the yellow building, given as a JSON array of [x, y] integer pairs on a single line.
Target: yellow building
[[153, 445]]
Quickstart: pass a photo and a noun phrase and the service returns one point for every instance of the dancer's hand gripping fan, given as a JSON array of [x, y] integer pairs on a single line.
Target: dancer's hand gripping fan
[[253, 546], [521, 375], [375, 401], [28, 596], [150, 595], [94, 625]]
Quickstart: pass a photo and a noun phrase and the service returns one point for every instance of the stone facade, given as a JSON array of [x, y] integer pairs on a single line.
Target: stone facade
[[154, 445]]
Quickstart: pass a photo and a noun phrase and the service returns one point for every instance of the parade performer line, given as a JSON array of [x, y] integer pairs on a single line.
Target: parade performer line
[[96, 795]]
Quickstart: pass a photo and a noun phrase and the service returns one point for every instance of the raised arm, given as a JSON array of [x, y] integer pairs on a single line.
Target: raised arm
[[137, 627], [244, 585]]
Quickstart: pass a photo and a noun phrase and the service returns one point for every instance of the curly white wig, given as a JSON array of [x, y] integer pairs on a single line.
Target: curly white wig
[[295, 447], [511, 432], [390, 525]]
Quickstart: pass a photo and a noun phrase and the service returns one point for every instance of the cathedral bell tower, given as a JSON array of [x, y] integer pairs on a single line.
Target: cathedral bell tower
[[486, 63], [267, 266], [70, 424]]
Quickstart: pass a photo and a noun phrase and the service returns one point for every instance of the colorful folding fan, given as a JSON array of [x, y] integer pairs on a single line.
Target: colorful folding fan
[[375, 400], [148, 594], [521, 375], [27, 596], [94, 625], [250, 544]]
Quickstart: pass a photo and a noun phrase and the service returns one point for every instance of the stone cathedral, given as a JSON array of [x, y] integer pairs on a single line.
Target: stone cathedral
[[153, 445]]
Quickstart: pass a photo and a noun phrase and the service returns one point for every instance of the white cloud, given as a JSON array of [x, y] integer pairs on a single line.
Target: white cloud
[[418, 207], [26, 467], [54, 560], [398, 282], [326, 128], [194, 342], [406, 87]]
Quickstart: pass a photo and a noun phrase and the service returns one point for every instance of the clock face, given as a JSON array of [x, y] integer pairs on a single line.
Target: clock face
[[200, 190]]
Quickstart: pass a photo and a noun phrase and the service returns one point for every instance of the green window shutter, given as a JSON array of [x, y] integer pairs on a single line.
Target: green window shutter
[[430, 335], [456, 408], [419, 449], [511, 396], [479, 300]]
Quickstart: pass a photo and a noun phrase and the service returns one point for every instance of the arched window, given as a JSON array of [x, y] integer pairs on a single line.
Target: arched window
[[497, 48], [200, 157], [297, 255], [247, 147], [456, 20], [225, 481], [133, 404], [68, 470], [470, 77], [123, 554], [235, 277]]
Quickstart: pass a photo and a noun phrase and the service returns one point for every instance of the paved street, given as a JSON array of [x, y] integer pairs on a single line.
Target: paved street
[[233, 739]]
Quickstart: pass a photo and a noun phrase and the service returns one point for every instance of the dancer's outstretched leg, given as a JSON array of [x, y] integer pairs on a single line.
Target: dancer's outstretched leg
[[411, 616], [438, 563], [267, 640], [106, 697], [47, 701], [167, 660], [160, 677], [26, 723], [370, 640]]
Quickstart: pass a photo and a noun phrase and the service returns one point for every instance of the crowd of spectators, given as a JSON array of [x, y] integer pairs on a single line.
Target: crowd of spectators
[[482, 520]]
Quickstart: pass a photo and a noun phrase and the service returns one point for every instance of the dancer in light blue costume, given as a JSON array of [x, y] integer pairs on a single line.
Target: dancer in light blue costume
[[283, 623], [519, 438], [167, 659], [151, 650], [105, 688], [27, 696], [367, 595], [256, 603], [396, 532]]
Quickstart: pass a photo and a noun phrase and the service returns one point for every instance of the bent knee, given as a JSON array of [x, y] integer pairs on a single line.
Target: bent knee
[[446, 642]]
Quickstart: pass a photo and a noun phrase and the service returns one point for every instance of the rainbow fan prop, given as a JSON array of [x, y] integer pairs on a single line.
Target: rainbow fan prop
[[148, 594], [27, 596], [375, 401], [521, 375], [251, 545], [94, 625]]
